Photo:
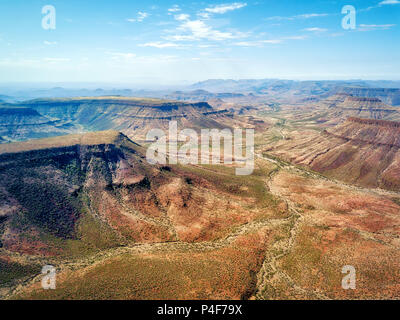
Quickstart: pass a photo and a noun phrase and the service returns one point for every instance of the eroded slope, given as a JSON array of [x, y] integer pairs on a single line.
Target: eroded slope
[[362, 151]]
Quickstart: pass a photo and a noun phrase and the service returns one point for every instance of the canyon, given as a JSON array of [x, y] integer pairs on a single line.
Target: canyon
[[324, 193]]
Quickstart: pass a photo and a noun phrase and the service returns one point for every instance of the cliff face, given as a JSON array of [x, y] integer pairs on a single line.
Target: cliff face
[[20, 123], [387, 95], [97, 190], [366, 152], [81, 108], [369, 131], [360, 151], [337, 108], [132, 116], [375, 123], [45, 192], [202, 95]]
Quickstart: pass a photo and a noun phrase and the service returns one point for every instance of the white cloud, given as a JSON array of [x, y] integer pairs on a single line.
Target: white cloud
[[204, 15], [382, 3], [315, 29], [50, 43], [279, 18], [160, 45], [371, 27], [276, 41], [194, 30], [182, 17], [175, 8], [259, 43], [300, 16], [311, 15], [296, 38], [140, 17], [223, 8]]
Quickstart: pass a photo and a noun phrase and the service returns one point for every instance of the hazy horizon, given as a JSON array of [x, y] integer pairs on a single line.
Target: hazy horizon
[[160, 86]]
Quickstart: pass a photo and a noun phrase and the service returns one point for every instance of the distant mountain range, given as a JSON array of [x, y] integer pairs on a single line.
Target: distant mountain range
[[134, 117], [14, 95], [209, 89], [252, 85]]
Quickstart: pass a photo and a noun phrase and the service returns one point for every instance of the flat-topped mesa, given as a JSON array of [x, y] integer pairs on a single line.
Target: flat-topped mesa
[[20, 123], [95, 109], [363, 103], [387, 95], [368, 131], [363, 99], [134, 117], [365, 90], [341, 106], [339, 93], [373, 122], [109, 137], [334, 100], [164, 105], [10, 116], [18, 111]]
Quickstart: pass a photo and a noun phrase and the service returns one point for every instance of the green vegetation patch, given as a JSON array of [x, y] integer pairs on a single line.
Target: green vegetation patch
[[11, 271], [224, 178]]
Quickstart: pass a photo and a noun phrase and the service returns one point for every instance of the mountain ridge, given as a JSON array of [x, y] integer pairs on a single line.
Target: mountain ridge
[[365, 152]]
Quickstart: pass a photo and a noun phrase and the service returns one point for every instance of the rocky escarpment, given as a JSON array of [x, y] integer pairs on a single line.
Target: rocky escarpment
[[19, 123], [132, 116], [15, 116], [337, 108], [369, 131], [82, 109], [98, 190], [364, 103], [201, 95], [46, 187], [376, 123], [387, 95], [360, 151]]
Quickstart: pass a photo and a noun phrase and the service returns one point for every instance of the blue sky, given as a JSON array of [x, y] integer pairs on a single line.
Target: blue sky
[[171, 42]]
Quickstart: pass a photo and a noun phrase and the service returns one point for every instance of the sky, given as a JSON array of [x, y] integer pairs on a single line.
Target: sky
[[180, 42]]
